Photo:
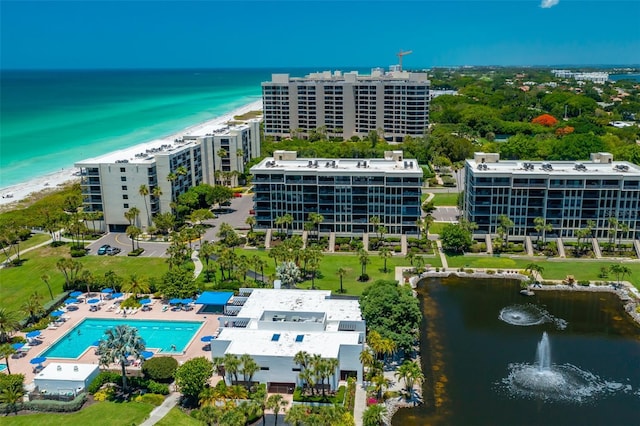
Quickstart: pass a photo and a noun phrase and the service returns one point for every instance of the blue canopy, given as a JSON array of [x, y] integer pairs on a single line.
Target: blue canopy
[[32, 334], [145, 301], [93, 301], [146, 354], [76, 294], [116, 295], [107, 290], [175, 301], [17, 346], [96, 343], [214, 298], [71, 300], [206, 339], [38, 360], [57, 313], [187, 301]]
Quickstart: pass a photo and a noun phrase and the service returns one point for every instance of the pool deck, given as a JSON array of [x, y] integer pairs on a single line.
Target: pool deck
[[194, 349]]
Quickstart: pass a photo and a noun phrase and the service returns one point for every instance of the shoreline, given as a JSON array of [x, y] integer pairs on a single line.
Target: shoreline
[[14, 194]]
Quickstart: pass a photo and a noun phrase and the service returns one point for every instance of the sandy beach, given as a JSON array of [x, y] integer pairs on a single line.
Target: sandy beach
[[15, 193]]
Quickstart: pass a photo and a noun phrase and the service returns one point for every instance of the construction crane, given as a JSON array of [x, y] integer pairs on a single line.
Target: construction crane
[[400, 54]]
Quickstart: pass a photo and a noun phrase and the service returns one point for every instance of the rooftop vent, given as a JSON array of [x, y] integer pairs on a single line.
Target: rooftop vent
[[580, 167], [358, 166], [328, 164], [310, 163], [546, 167], [621, 168]]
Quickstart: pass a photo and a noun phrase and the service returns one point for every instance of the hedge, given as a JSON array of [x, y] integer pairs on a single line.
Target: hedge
[[338, 398], [45, 405], [160, 369]]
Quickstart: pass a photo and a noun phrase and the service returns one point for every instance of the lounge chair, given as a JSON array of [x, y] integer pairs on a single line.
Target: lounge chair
[[52, 326], [118, 311], [164, 308], [134, 311]]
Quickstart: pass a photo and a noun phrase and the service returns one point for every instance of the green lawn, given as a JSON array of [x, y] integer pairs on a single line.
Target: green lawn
[[330, 263], [34, 240], [99, 414], [176, 417], [19, 282], [437, 227], [445, 199], [553, 270]]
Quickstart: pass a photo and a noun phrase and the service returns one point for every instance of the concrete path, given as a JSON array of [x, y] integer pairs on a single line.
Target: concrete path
[[596, 248], [489, 243], [360, 404], [560, 247], [159, 412], [443, 258], [3, 264]]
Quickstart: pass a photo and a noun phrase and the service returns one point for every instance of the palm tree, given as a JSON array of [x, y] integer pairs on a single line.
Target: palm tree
[[302, 358], [624, 229], [541, 226], [297, 415], [136, 286], [120, 343], [316, 219], [363, 258], [231, 366], [534, 268], [33, 306], [133, 232], [385, 253], [276, 402], [8, 324], [612, 231], [374, 415], [45, 278], [506, 224], [342, 272], [207, 249], [248, 369], [171, 177], [12, 394], [132, 215], [6, 350], [411, 373], [367, 358], [620, 271], [251, 221], [380, 382], [375, 221], [237, 392], [144, 192]]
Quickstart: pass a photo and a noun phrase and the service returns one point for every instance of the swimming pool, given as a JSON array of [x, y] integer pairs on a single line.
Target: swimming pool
[[3, 367], [169, 337]]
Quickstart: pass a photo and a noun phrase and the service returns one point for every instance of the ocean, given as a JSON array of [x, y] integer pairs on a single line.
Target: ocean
[[51, 119]]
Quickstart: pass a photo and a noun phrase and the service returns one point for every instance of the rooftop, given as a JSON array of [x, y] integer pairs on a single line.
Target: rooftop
[[287, 343], [601, 164], [285, 300], [60, 371]]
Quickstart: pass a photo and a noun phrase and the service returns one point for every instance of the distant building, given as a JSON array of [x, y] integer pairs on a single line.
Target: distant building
[[272, 326], [595, 77], [395, 104], [111, 183], [566, 194], [346, 192]]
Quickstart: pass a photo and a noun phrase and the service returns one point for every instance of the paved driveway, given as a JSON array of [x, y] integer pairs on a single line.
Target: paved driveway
[[234, 214], [446, 214]]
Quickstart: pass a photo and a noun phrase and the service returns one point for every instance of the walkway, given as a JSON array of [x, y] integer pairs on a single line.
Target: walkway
[[46, 243], [197, 264], [443, 258], [159, 412], [360, 404]]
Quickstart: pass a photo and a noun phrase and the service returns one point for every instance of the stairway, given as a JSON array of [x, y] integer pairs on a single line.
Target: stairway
[[560, 244], [528, 245], [487, 239], [596, 248]]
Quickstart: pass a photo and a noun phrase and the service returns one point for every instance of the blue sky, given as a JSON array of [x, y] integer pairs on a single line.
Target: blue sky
[[229, 34]]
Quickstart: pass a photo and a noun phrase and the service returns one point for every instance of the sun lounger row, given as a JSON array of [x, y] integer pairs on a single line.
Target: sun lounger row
[[126, 311]]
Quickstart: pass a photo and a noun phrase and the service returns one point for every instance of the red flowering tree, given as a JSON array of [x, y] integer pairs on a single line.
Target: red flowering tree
[[545, 120]]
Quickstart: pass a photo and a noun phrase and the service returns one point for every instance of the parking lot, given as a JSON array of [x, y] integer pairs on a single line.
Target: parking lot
[[235, 215], [446, 214]]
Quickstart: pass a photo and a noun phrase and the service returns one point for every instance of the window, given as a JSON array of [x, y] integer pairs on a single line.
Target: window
[[123, 178], [125, 197], [124, 187], [275, 337], [126, 205], [265, 368], [122, 170]]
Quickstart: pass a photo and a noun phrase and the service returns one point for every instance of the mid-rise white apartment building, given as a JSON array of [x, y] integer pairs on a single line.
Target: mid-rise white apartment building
[[111, 183], [566, 194], [395, 104], [273, 325], [346, 192]]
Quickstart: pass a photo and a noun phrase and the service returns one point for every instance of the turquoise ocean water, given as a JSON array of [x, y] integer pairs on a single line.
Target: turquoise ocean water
[[51, 119]]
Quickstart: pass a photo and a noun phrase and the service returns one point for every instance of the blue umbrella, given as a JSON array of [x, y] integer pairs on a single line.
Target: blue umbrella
[[207, 339], [17, 346], [32, 334], [93, 301], [57, 313], [71, 300], [187, 301], [107, 290], [76, 294], [116, 295], [146, 354], [175, 301], [96, 343], [38, 360], [145, 301]]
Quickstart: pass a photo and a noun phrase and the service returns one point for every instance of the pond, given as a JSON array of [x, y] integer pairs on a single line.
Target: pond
[[494, 357]]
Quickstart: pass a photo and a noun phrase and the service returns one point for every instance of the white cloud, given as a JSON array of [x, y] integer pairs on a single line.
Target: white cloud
[[546, 4]]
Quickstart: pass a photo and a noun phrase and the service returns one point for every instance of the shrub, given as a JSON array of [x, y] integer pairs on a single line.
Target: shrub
[[490, 272], [159, 388], [136, 252], [106, 394], [77, 252], [101, 379], [160, 369], [584, 283], [57, 406], [150, 398], [397, 249]]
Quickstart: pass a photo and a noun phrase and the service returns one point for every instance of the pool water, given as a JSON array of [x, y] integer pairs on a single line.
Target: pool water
[[3, 367], [168, 337]]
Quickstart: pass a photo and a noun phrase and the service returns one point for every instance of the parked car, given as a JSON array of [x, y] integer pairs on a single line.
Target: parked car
[[112, 251], [103, 249]]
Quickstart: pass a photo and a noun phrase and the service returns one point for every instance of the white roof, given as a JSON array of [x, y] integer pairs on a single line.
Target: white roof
[[260, 342], [332, 165], [286, 300], [67, 372], [568, 169]]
